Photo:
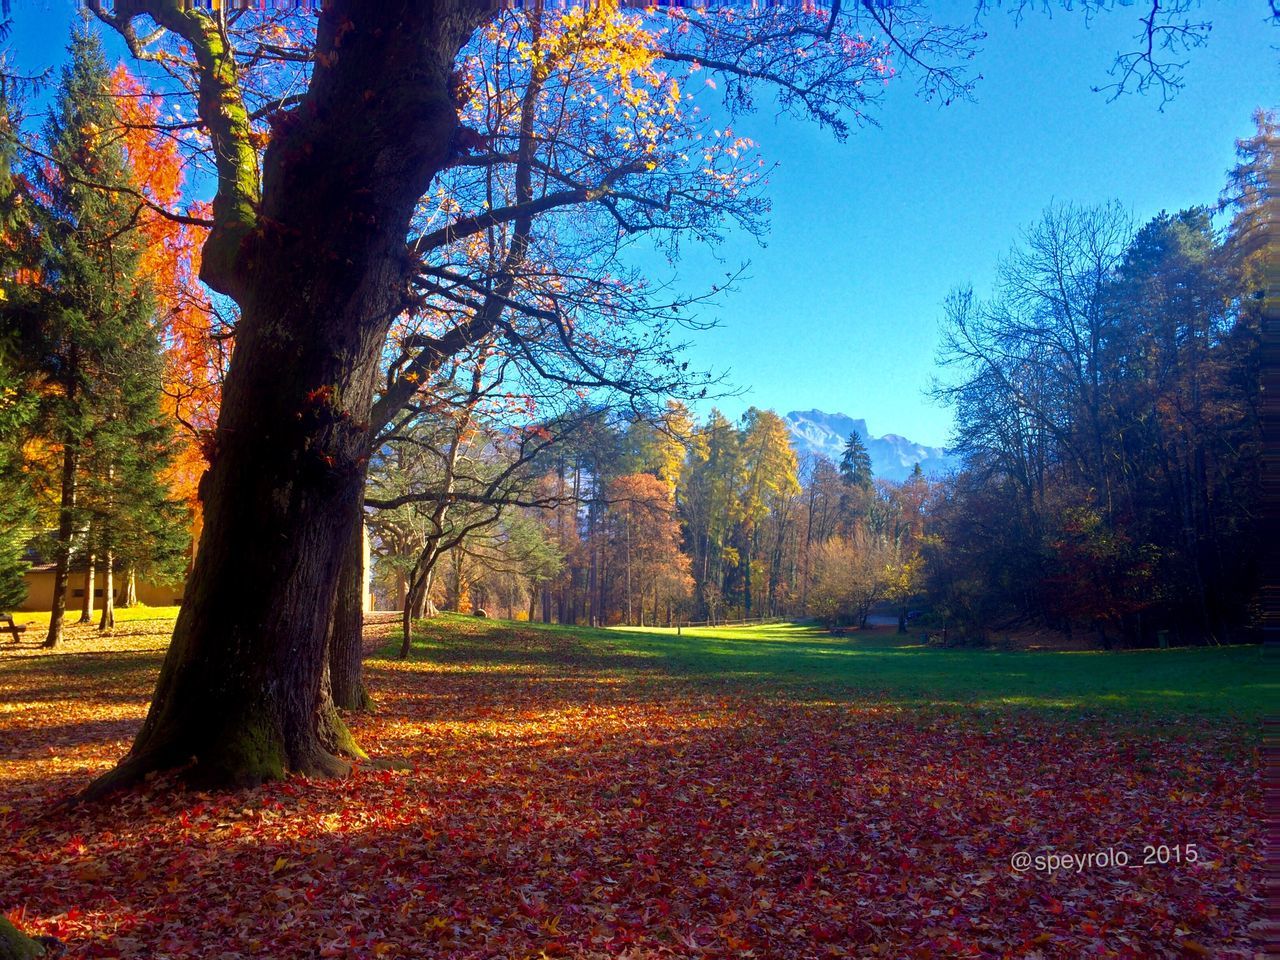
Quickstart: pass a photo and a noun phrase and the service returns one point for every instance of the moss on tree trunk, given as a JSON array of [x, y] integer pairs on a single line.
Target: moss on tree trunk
[[15, 945]]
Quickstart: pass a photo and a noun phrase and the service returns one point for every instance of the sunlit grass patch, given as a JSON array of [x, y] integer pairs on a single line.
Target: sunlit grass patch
[[123, 615], [791, 659]]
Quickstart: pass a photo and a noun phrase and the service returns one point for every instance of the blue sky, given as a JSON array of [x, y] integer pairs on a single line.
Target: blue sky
[[841, 308], [870, 235]]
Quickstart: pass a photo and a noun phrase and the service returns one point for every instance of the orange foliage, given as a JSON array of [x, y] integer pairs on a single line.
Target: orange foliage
[[171, 261]]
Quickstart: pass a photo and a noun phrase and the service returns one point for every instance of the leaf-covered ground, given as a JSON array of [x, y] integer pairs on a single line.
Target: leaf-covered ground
[[573, 795]]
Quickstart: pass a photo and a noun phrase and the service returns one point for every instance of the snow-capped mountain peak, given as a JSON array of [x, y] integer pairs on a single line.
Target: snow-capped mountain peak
[[892, 456]]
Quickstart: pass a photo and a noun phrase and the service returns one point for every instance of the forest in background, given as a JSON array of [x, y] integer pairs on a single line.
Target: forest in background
[[1107, 400]]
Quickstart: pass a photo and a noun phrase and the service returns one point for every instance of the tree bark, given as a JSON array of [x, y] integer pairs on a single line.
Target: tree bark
[[108, 620], [346, 643], [243, 695], [66, 529], [130, 588], [86, 608]]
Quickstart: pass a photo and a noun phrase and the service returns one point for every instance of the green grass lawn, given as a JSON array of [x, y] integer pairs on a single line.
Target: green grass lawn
[[801, 661]]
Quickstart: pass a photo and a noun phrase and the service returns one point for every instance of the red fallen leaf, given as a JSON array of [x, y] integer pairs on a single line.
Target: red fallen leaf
[[534, 910], [823, 932]]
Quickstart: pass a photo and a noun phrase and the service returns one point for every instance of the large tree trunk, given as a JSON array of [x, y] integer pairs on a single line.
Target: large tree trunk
[[243, 695], [346, 644]]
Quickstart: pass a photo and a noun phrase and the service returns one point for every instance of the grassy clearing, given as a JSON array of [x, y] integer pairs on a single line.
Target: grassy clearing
[[801, 660]]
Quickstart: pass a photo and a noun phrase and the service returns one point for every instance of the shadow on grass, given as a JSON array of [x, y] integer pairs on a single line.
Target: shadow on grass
[[795, 661], [43, 740]]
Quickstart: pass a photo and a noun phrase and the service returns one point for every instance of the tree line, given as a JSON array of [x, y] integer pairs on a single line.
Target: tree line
[[1107, 401], [618, 519]]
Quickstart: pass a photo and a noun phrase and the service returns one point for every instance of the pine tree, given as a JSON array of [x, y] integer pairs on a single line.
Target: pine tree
[[99, 339], [17, 402], [855, 463], [136, 522]]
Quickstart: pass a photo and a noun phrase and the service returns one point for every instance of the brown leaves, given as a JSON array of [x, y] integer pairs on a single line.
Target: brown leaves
[[563, 801]]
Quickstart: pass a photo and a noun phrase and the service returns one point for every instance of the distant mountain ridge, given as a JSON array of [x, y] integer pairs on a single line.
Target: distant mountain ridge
[[892, 456]]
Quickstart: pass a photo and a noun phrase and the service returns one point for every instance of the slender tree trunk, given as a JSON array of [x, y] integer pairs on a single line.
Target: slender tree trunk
[[86, 608], [416, 585], [346, 642], [406, 632], [108, 620], [130, 587], [630, 618], [243, 695], [66, 530], [593, 573], [420, 599]]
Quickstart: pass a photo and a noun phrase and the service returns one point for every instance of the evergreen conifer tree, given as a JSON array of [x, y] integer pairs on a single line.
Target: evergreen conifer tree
[[855, 463], [101, 349], [17, 403]]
